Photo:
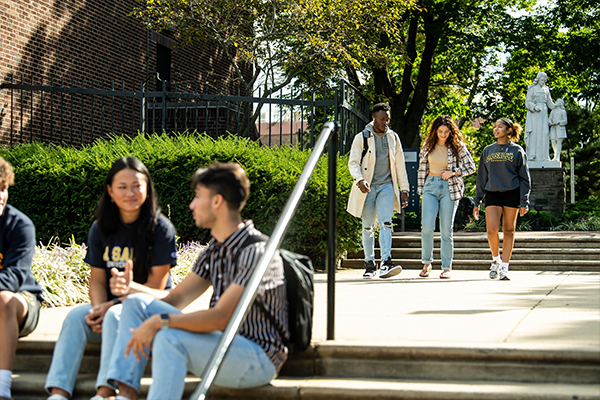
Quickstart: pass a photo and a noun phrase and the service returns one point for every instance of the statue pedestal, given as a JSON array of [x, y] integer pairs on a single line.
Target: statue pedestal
[[548, 184], [544, 164]]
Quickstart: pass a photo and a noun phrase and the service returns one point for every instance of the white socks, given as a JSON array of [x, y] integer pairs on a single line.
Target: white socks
[[57, 397], [504, 266], [5, 382], [498, 259]]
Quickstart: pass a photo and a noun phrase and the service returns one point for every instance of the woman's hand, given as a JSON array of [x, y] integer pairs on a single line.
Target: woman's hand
[[142, 337], [523, 211], [476, 213], [121, 281], [447, 175], [95, 316]]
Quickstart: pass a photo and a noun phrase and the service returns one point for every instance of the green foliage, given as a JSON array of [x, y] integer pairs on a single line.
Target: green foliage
[[587, 170], [64, 276], [58, 188]]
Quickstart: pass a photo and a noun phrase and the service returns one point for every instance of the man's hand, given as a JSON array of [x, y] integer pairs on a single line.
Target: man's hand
[[95, 316], [404, 197], [364, 186], [120, 281], [142, 337], [476, 213]]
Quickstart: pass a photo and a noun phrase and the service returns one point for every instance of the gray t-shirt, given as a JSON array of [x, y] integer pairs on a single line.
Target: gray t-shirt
[[382, 173]]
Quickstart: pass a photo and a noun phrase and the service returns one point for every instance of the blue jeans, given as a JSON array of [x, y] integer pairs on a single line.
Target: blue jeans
[[436, 197], [68, 350], [175, 351], [379, 203]]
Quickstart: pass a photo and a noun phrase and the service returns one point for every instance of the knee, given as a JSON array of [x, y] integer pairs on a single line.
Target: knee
[[8, 305], [368, 230], [111, 317], [508, 231], [387, 225], [136, 299]]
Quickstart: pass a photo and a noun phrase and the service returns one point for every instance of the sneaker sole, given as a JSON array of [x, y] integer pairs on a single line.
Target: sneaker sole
[[368, 276], [392, 272], [493, 275], [504, 278]]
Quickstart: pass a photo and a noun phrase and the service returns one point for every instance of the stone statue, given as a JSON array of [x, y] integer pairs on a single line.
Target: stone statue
[[558, 132], [537, 130]]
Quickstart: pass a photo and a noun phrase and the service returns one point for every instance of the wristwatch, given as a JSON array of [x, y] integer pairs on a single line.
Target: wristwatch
[[164, 321]]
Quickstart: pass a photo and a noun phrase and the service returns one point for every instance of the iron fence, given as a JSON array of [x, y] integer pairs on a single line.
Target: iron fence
[[79, 112]]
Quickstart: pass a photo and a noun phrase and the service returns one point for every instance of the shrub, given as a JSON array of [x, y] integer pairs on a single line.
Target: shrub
[[59, 187]]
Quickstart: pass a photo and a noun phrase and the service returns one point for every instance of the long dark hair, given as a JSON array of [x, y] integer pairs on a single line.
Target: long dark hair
[[108, 216], [455, 138]]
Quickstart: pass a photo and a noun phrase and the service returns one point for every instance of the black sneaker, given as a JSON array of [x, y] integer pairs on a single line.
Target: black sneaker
[[370, 270], [388, 269]]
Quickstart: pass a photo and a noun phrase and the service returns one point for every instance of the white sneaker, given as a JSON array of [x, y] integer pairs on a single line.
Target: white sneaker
[[494, 269], [504, 274]]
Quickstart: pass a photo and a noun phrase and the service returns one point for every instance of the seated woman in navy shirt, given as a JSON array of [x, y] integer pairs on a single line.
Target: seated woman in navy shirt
[[128, 226]]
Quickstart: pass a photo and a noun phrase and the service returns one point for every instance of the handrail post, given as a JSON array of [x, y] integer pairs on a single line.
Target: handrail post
[[240, 311], [332, 231]]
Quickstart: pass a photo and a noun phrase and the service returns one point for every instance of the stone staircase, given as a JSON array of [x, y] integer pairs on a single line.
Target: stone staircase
[[550, 251], [469, 369], [335, 370]]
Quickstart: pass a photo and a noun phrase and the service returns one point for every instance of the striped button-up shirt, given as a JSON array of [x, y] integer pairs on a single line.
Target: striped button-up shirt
[[216, 263], [464, 164]]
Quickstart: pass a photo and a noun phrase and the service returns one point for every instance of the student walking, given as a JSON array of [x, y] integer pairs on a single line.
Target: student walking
[[128, 226], [377, 165], [503, 179], [444, 160]]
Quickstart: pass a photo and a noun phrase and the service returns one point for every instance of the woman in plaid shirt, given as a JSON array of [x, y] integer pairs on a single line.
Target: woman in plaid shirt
[[444, 160]]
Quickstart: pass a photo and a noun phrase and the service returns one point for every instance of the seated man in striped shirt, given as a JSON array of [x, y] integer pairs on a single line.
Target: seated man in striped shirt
[[184, 341]]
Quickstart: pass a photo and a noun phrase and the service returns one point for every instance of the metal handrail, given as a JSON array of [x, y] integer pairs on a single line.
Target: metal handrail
[[273, 243]]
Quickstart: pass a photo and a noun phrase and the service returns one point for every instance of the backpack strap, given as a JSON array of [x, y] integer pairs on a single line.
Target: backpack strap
[[250, 240], [366, 134]]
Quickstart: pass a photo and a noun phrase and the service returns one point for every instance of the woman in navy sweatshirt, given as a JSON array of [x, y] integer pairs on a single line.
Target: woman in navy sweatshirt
[[503, 178]]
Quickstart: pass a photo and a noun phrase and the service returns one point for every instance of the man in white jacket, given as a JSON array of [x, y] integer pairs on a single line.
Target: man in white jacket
[[377, 166]]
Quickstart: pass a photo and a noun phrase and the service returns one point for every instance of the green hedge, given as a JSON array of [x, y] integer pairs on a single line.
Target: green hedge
[[58, 187]]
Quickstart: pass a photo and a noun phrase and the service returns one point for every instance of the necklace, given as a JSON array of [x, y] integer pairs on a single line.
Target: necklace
[[503, 147]]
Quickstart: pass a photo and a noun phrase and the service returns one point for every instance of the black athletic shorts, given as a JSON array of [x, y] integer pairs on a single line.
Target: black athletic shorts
[[510, 198]]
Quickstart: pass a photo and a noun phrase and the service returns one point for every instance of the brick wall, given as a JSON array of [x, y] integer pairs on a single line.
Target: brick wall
[[86, 43]]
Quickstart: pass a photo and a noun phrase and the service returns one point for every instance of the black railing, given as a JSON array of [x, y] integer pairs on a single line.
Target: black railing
[[328, 135], [47, 111]]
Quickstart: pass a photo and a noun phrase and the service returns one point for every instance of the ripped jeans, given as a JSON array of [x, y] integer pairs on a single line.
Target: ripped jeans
[[380, 203]]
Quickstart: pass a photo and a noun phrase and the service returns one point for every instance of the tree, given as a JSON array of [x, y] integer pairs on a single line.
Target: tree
[[444, 45], [280, 39], [563, 40]]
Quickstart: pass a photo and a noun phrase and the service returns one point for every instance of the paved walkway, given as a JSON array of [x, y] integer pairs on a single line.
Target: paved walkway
[[536, 309]]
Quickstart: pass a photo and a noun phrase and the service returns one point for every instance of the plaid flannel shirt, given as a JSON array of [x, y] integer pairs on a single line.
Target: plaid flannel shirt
[[463, 164]]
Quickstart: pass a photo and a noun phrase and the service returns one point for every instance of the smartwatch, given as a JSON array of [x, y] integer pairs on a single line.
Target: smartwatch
[[164, 321]]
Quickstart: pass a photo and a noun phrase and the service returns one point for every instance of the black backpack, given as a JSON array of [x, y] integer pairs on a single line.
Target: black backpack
[[298, 271]]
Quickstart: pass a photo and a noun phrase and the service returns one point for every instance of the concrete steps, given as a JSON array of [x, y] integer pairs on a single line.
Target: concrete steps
[[334, 370], [533, 251]]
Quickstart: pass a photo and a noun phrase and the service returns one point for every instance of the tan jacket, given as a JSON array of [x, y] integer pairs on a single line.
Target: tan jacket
[[356, 200]]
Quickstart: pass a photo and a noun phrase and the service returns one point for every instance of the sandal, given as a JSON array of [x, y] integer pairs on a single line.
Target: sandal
[[425, 271], [445, 274]]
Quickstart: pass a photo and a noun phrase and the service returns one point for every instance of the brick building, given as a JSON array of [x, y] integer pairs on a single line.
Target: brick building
[[90, 44]]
